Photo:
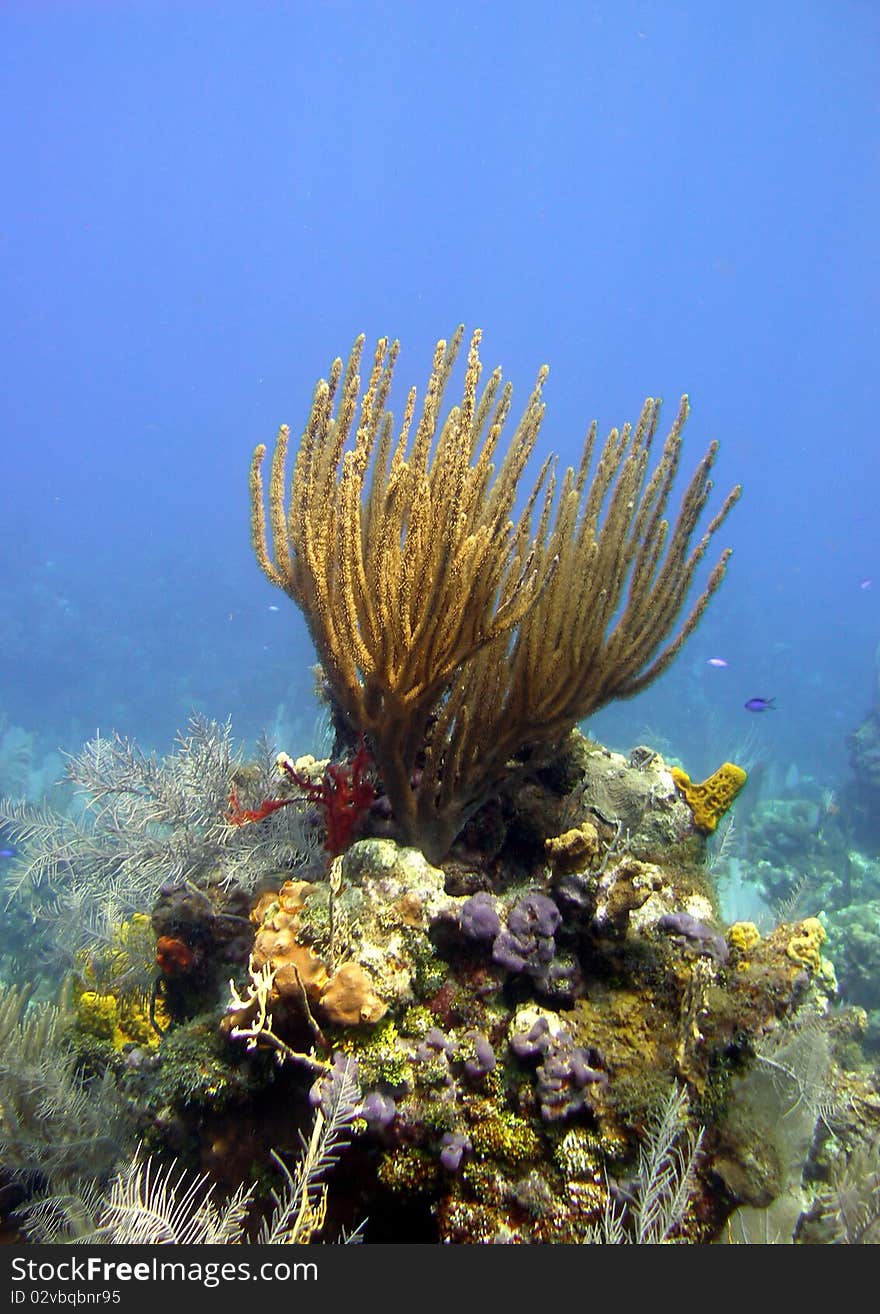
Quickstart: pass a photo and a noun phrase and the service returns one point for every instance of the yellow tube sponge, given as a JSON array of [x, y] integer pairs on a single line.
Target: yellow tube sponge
[[710, 800]]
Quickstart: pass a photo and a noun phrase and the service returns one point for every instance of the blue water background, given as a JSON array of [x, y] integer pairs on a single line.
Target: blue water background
[[205, 202]]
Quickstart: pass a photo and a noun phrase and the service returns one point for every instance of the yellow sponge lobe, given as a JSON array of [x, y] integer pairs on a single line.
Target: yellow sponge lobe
[[710, 800]]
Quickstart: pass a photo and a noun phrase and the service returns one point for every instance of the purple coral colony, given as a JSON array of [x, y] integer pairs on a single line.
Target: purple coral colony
[[504, 978]]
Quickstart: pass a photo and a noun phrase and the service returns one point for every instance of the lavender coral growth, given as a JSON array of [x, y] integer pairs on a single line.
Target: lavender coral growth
[[478, 917], [566, 1071], [527, 943]]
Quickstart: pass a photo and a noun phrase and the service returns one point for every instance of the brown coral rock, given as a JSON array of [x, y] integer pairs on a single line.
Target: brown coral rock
[[621, 890], [293, 895], [350, 1000], [297, 968], [301, 970], [574, 849]]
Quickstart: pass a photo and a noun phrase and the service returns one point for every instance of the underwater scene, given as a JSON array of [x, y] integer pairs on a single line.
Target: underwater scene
[[439, 780]]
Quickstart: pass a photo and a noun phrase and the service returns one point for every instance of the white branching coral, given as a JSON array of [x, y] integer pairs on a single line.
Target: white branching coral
[[254, 1026]]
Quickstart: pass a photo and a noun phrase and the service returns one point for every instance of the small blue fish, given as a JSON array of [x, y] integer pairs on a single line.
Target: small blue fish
[[716, 661], [760, 705], [7, 853], [865, 584]]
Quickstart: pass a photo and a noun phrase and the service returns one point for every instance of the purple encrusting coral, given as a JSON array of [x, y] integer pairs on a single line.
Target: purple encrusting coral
[[378, 1111], [527, 943], [698, 935], [474, 1055], [336, 1091], [565, 1072], [534, 915], [435, 1051], [434, 1044], [454, 1145], [483, 1060], [478, 917], [529, 1044], [563, 1079]]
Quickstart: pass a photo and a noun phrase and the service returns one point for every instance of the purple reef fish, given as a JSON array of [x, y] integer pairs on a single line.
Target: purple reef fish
[[760, 705]]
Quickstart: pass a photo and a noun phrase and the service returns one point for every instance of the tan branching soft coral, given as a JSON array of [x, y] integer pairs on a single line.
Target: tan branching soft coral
[[453, 632]]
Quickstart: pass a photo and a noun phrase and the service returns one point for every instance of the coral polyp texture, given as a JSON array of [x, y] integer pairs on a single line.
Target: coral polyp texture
[[463, 640]]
